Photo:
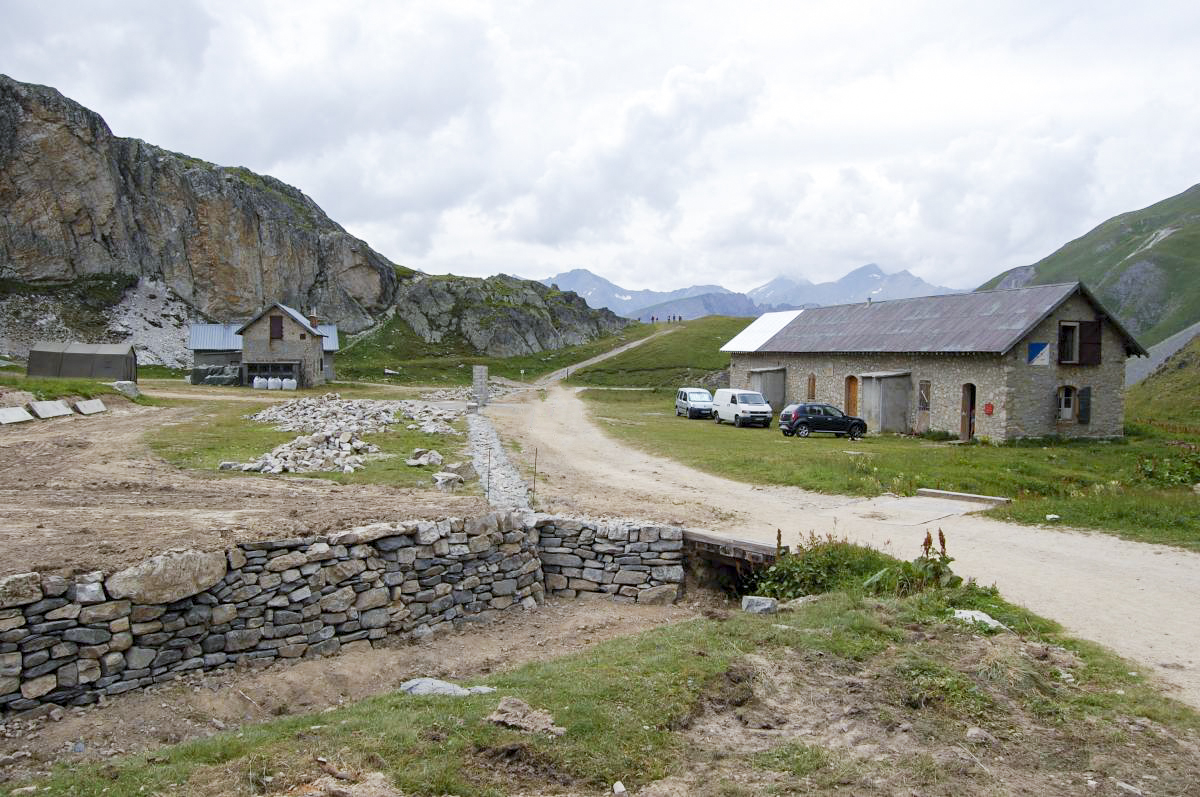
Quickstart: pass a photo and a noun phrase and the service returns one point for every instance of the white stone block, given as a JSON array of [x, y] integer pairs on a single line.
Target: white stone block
[[49, 409], [90, 407], [14, 415]]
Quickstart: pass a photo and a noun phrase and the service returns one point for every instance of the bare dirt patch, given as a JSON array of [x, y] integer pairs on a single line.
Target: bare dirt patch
[[201, 705], [80, 494]]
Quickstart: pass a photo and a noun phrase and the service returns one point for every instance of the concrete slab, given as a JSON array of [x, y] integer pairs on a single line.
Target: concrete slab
[[912, 511], [49, 409], [90, 407], [14, 415]]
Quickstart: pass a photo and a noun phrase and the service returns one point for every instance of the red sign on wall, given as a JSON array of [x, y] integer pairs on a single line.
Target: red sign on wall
[[988, 408]]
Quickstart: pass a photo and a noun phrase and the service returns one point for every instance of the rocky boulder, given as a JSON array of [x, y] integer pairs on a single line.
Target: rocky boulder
[[168, 577]]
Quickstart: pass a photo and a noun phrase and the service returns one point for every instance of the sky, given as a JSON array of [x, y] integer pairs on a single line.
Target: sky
[[659, 144]]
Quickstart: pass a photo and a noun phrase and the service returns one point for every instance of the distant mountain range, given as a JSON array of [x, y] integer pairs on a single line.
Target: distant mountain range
[[781, 293]]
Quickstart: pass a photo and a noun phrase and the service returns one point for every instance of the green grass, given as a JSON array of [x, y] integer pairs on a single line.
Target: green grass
[[49, 388], [1170, 397], [1104, 256], [220, 432], [689, 353], [160, 372], [1089, 484], [622, 701], [396, 347]]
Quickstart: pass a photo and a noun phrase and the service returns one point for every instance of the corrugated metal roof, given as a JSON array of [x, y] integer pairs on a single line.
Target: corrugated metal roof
[[330, 341], [214, 337], [981, 322], [760, 331], [67, 347]]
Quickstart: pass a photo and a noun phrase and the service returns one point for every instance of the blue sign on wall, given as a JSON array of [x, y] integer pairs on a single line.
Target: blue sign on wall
[[1039, 354]]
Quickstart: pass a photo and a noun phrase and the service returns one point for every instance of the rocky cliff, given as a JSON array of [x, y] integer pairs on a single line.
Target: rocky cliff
[[190, 239], [75, 201]]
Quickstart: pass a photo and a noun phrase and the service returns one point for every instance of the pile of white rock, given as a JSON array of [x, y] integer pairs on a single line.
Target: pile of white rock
[[331, 413], [496, 390], [318, 452], [428, 418]]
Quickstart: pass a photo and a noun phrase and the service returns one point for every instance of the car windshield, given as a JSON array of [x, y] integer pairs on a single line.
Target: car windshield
[[699, 395], [751, 398]]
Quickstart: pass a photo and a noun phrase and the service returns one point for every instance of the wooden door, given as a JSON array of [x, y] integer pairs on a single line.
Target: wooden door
[[967, 428], [851, 395]]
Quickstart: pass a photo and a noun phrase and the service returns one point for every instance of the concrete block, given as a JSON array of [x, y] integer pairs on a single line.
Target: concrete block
[[49, 409], [90, 407], [14, 415]]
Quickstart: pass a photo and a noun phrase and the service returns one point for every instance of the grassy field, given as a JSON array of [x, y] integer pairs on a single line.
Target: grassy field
[[1139, 487], [396, 347], [683, 357], [50, 388], [221, 432], [1170, 398], [626, 706]]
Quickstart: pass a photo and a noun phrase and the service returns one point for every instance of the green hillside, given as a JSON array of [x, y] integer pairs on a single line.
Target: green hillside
[[1171, 394], [684, 356], [1144, 266]]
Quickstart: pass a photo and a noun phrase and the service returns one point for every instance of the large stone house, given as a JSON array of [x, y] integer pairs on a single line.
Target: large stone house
[[278, 341], [1031, 362]]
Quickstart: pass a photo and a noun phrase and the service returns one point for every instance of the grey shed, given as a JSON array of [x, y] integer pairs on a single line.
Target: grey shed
[[108, 361]]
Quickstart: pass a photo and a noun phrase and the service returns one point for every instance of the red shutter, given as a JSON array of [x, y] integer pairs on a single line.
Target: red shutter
[[1089, 342]]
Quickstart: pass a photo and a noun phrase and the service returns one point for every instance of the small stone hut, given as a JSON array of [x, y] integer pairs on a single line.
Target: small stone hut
[[109, 361], [1037, 361], [282, 342], [222, 345]]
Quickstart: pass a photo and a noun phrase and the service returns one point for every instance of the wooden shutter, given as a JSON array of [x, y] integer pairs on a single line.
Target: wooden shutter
[[1089, 342], [1083, 405], [276, 327]]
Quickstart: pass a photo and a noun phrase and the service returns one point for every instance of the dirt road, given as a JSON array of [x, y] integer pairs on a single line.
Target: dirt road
[[1140, 600]]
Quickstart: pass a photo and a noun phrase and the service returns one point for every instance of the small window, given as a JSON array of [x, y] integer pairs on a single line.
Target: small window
[[812, 386], [303, 336], [1068, 342], [1066, 403], [733, 399], [276, 327], [923, 389]]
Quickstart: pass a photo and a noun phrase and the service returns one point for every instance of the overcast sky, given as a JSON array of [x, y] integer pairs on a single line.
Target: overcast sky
[[659, 144]]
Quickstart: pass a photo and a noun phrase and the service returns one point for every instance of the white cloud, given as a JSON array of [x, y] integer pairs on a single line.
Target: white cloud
[[659, 144]]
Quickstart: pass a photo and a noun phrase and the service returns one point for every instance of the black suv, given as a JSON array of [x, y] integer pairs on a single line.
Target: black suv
[[802, 420]]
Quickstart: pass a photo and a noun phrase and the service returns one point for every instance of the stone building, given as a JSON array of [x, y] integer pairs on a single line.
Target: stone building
[[1030, 362], [224, 344]]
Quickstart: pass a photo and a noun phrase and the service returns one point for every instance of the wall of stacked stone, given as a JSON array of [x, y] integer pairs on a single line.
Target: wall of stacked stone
[[69, 641], [633, 563]]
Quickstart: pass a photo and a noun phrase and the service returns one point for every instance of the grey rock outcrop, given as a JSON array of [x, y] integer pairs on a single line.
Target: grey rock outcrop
[[168, 577]]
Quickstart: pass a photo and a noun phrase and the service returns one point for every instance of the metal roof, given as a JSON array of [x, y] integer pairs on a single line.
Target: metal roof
[[214, 337], [296, 315], [225, 337], [67, 347], [760, 331], [981, 322], [330, 340]]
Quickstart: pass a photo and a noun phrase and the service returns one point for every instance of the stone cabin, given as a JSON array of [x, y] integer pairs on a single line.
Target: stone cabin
[[279, 341], [1029, 362]]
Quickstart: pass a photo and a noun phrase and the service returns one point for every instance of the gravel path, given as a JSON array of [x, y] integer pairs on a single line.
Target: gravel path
[[502, 482]]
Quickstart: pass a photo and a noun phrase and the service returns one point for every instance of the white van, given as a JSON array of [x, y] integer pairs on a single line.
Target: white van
[[741, 407]]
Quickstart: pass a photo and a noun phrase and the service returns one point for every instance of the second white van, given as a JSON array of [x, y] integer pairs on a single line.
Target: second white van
[[741, 407]]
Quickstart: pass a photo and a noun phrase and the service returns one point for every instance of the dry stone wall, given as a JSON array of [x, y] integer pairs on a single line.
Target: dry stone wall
[[69, 641]]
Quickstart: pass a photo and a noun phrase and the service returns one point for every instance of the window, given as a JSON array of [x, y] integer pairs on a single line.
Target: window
[[303, 336], [812, 386], [1066, 403], [1068, 342], [923, 389], [276, 327]]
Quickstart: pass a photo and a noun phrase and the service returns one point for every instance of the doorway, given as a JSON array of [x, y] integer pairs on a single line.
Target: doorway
[[851, 395], [967, 429]]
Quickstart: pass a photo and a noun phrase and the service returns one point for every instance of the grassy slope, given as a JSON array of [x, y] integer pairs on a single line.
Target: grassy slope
[[621, 701], [1103, 255], [682, 357], [49, 388], [397, 347], [1171, 395], [1089, 484]]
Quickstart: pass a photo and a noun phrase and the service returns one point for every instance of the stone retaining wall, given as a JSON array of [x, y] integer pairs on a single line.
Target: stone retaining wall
[[69, 641]]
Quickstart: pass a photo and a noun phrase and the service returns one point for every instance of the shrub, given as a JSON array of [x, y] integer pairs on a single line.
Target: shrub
[[930, 569], [819, 564]]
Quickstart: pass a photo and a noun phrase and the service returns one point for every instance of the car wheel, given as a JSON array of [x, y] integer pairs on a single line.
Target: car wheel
[[856, 432], [737, 420], [786, 431], [802, 430], [716, 417]]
